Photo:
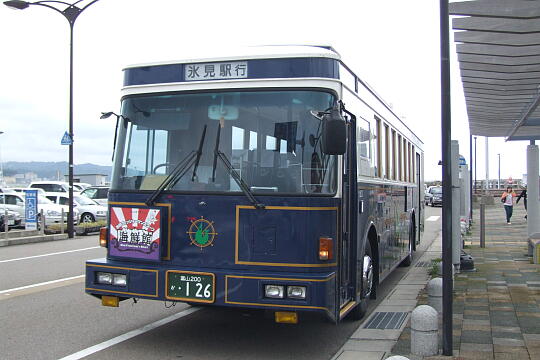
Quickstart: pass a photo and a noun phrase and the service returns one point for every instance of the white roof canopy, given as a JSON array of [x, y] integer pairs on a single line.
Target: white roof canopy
[[498, 47]]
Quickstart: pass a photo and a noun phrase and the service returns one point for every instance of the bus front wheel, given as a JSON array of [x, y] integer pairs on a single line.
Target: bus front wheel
[[369, 285]]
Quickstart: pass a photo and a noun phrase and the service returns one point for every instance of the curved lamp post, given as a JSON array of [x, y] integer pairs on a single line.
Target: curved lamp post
[[71, 12]]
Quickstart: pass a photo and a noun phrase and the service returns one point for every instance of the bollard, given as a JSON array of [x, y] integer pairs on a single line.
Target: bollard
[[6, 222], [62, 222], [534, 247], [434, 290], [482, 224], [424, 331], [42, 217]]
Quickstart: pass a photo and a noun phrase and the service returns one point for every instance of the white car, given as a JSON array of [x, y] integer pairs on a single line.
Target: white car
[[53, 186], [80, 186], [53, 212], [89, 210], [14, 202]]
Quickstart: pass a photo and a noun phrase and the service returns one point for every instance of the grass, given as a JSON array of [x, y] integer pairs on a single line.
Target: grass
[[434, 269]]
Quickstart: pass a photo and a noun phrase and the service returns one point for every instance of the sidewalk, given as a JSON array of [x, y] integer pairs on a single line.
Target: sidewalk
[[497, 308]]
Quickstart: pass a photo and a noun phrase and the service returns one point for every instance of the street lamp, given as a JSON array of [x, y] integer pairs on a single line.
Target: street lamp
[[71, 12], [105, 115]]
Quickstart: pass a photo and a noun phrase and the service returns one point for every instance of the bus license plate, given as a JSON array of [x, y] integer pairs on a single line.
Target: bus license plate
[[190, 286]]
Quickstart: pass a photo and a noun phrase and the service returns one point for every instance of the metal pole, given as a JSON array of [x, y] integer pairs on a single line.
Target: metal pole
[[470, 179], [6, 225], [533, 199], [446, 136], [499, 174], [70, 170], [62, 222], [482, 224], [475, 160], [487, 165]]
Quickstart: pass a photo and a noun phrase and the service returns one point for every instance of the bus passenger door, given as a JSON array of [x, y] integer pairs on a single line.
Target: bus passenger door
[[348, 242]]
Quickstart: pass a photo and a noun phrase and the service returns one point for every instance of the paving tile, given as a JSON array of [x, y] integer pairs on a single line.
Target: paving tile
[[475, 355], [506, 348], [515, 355], [372, 345], [508, 342], [506, 335], [468, 346], [364, 355], [477, 337]]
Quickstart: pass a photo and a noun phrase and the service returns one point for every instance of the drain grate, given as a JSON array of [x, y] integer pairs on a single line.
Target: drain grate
[[423, 264], [386, 320]]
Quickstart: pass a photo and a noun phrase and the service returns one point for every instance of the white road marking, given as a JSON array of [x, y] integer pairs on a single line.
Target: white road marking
[[433, 218], [9, 291], [93, 349], [50, 254]]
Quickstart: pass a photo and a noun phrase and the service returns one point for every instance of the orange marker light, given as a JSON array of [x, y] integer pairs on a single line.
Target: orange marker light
[[326, 248], [103, 237]]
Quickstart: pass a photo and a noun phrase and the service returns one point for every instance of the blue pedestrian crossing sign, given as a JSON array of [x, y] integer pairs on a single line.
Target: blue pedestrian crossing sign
[[66, 139]]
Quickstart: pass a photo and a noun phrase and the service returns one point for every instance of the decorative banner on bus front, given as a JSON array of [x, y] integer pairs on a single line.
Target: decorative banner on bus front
[[135, 233], [216, 71]]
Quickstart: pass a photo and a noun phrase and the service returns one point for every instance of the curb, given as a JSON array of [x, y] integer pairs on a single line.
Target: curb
[[32, 239]]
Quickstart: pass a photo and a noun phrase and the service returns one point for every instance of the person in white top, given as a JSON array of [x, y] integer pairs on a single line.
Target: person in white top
[[507, 199]]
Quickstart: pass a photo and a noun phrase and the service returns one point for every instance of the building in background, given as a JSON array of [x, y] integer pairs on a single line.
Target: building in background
[[92, 179]]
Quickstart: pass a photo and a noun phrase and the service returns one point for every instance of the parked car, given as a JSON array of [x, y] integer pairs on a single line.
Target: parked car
[[89, 210], [53, 212], [13, 219], [53, 186], [80, 186], [22, 190], [13, 202], [434, 196], [97, 193]]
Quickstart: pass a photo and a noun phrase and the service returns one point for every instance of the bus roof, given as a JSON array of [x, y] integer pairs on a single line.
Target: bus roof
[[255, 52]]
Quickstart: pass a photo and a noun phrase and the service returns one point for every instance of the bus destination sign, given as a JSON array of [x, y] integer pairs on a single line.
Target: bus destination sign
[[216, 71]]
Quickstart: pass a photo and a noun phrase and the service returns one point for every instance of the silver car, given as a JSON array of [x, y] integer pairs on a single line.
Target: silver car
[[89, 210]]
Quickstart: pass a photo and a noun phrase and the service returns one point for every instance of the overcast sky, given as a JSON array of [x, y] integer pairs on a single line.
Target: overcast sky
[[393, 45]]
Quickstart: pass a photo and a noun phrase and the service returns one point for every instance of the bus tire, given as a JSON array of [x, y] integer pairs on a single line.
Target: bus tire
[[408, 260], [369, 286], [412, 236]]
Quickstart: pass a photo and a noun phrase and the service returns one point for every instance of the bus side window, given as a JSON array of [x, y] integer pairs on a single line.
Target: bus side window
[[363, 149]]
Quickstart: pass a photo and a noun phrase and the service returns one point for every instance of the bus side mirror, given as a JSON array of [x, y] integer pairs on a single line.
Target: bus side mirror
[[334, 133]]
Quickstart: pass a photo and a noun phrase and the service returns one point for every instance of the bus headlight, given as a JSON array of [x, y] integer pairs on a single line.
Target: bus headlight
[[104, 278], [296, 292], [274, 291], [119, 279]]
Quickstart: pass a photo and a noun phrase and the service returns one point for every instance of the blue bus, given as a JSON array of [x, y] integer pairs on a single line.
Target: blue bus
[[275, 180]]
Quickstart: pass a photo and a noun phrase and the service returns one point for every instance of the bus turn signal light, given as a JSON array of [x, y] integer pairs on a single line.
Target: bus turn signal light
[[103, 237], [287, 317], [110, 301], [326, 248]]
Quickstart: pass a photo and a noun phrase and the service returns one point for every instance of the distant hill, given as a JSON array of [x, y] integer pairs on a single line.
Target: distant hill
[[50, 170]]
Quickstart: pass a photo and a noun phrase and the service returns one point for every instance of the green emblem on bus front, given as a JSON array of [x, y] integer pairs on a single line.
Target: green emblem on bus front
[[201, 232]]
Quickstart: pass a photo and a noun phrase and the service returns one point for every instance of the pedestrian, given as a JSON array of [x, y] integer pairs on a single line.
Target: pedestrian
[[524, 196], [507, 199]]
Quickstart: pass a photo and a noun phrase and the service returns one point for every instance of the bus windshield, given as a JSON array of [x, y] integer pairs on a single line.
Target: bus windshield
[[270, 138]]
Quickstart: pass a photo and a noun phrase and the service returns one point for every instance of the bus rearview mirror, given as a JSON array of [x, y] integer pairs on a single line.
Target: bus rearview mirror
[[334, 134]]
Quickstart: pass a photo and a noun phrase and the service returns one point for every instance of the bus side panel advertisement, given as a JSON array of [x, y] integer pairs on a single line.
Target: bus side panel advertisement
[[135, 233]]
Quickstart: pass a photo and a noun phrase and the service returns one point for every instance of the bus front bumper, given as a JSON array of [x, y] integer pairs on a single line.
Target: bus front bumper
[[234, 288]]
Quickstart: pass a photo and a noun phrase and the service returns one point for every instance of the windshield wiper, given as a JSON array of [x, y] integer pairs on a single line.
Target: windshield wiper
[[233, 173], [179, 171]]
